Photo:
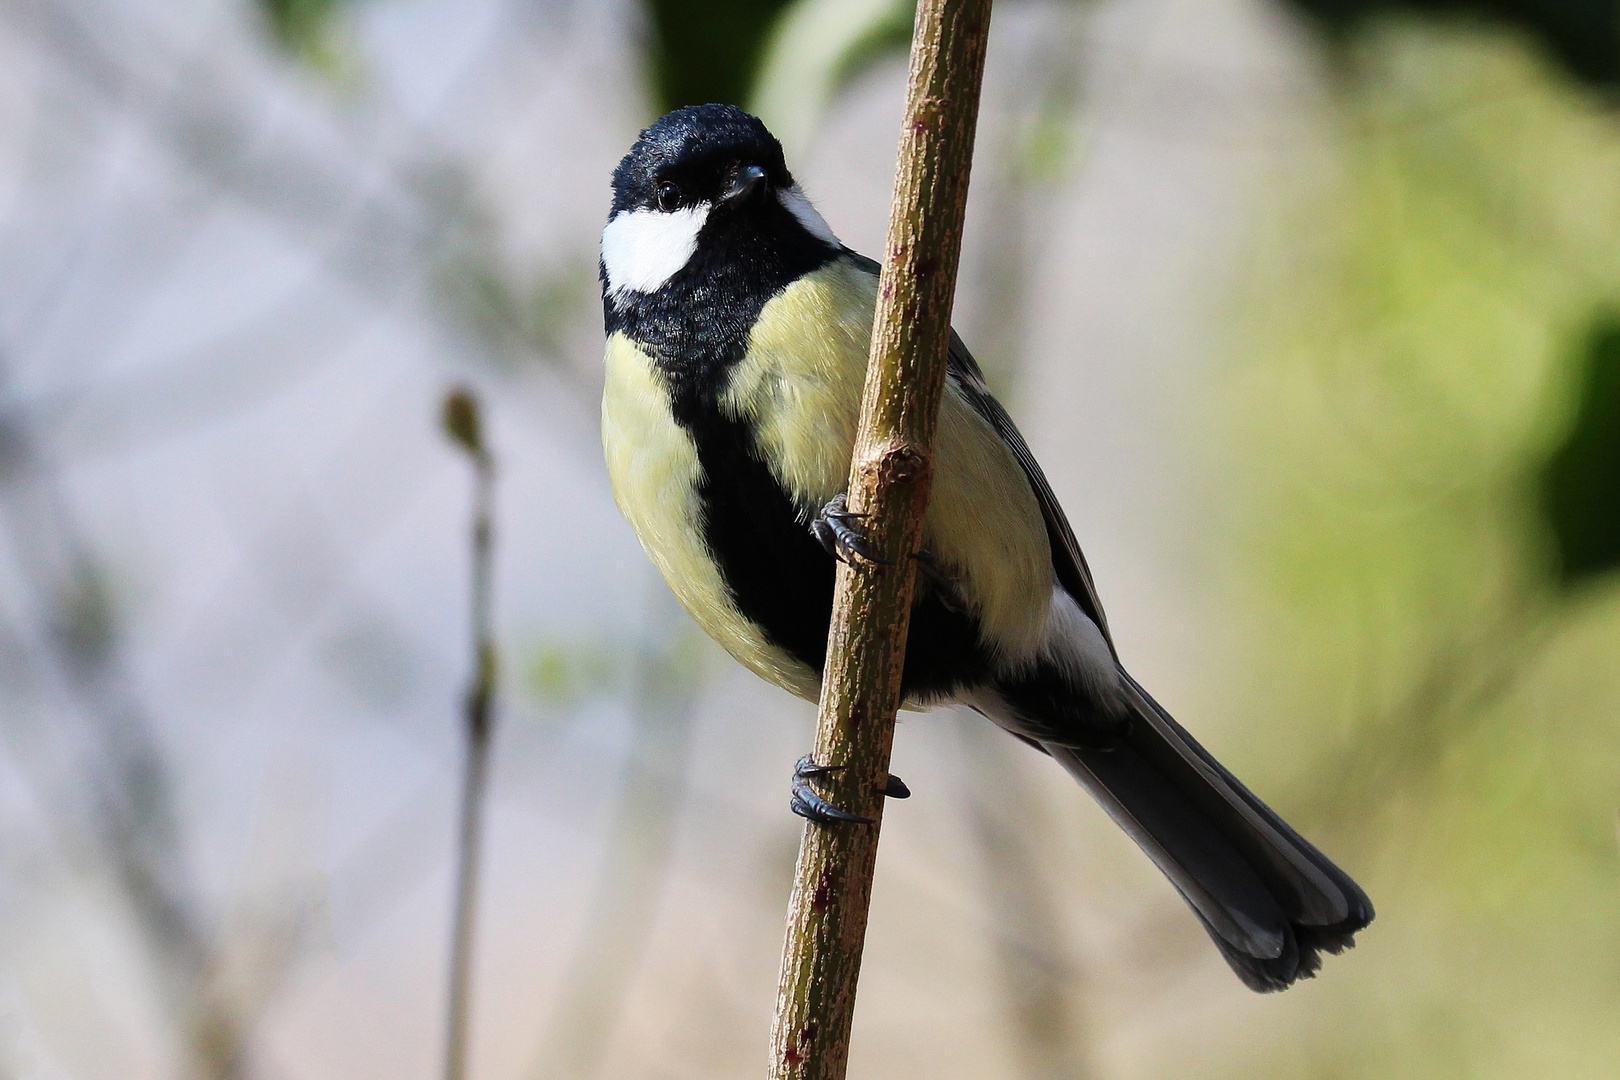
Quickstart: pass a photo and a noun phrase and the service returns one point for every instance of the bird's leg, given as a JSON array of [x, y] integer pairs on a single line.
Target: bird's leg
[[808, 804], [945, 585], [836, 530]]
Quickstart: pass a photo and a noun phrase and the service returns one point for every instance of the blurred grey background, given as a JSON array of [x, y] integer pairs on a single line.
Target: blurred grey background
[[1308, 308]]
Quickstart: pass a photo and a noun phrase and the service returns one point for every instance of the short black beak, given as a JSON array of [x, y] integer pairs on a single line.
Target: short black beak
[[749, 179]]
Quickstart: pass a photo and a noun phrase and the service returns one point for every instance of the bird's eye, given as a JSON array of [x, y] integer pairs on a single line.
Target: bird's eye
[[669, 197]]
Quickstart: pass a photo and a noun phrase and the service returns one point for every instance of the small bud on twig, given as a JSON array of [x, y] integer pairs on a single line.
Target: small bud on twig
[[461, 420]]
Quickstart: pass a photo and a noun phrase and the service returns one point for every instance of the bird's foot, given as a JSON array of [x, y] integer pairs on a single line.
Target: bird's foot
[[945, 585], [836, 530], [807, 803]]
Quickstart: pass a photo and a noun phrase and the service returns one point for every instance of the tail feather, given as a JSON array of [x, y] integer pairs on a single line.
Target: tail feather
[[1269, 899]]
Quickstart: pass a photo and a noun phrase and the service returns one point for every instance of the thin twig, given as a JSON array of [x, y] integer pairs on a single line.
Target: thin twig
[[889, 480], [461, 421]]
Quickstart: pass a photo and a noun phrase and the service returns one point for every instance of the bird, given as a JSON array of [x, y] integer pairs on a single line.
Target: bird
[[737, 329]]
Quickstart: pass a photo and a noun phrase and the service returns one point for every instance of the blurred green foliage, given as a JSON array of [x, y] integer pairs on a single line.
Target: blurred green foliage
[[561, 675], [1445, 723], [1580, 484], [521, 319], [1582, 35], [886, 37], [302, 26], [707, 50], [815, 51]]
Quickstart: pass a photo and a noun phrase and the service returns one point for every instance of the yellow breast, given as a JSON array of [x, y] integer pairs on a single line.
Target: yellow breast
[[654, 470], [800, 386]]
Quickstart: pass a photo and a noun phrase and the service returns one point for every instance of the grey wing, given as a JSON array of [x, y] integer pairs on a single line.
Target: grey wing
[[1068, 563]]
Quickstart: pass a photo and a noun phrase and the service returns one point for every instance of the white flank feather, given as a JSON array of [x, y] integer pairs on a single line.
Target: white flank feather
[[1073, 641]]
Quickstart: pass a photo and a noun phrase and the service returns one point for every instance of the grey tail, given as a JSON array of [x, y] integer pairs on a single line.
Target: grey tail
[[1269, 899]]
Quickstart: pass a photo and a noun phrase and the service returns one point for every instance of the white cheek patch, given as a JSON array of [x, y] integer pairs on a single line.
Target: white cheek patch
[[793, 199], [642, 249]]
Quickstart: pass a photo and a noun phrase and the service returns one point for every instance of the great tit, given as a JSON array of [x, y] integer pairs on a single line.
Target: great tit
[[737, 332]]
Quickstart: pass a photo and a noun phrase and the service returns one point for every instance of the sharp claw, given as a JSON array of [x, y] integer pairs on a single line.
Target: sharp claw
[[807, 804], [850, 541], [833, 530], [827, 538], [838, 508], [807, 769], [858, 545]]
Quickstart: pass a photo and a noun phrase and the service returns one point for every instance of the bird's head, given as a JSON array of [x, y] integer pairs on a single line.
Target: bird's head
[[703, 183]]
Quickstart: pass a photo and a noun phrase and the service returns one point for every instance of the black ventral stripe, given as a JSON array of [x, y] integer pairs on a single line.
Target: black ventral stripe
[[696, 328], [781, 578]]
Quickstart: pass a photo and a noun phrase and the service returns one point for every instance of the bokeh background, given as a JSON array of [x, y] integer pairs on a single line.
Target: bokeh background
[[1311, 308]]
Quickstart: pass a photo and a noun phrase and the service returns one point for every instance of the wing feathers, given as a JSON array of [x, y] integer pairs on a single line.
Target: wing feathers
[[1068, 563]]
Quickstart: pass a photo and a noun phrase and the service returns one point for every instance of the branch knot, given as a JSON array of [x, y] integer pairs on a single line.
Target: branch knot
[[903, 464]]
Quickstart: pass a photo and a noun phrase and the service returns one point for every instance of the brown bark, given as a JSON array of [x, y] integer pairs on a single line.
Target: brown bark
[[462, 424], [889, 480]]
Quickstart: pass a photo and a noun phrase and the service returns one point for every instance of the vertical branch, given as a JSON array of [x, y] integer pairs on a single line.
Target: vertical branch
[[889, 481], [461, 422]]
